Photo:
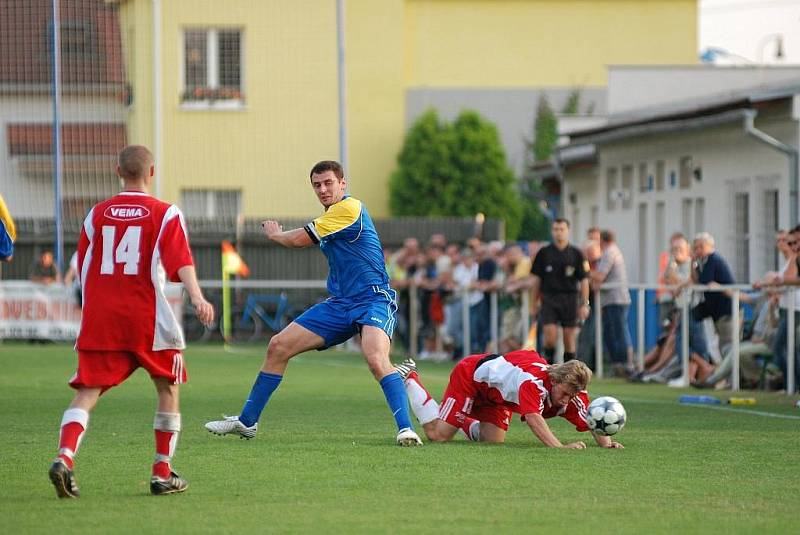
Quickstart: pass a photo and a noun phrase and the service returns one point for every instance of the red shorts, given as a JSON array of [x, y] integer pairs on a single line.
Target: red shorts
[[109, 368], [462, 399]]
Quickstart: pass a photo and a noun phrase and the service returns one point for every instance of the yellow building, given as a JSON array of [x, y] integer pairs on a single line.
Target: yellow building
[[247, 97]]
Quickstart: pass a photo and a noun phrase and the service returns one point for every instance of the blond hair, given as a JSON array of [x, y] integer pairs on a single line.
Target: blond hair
[[573, 373]]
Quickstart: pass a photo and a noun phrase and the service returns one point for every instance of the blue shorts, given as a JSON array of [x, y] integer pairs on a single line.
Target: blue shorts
[[338, 319]]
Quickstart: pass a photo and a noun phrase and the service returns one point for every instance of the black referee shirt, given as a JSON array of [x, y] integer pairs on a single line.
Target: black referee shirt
[[560, 270]]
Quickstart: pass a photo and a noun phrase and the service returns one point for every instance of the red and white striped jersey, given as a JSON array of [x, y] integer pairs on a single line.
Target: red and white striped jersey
[[129, 245], [519, 381]]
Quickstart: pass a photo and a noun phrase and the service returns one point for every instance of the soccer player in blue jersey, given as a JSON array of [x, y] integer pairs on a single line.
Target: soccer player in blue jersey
[[361, 302], [8, 233]]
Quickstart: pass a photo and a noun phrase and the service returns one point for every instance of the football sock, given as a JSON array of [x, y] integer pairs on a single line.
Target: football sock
[[549, 354], [265, 385], [569, 355], [471, 429], [395, 392], [167, 427], [73, 425], [424, 406]]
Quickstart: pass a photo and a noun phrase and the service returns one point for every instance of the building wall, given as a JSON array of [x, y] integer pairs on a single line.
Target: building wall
[[637, 87], [31, 195], [731, 163], [136, 25], [580, 201], [542, 43], [289, 119], [393, 48], [375, 91]]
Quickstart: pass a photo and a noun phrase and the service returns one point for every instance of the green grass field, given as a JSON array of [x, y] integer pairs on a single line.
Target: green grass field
[[325, 460]]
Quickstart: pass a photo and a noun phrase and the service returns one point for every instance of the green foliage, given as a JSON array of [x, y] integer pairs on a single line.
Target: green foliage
[[456, 169], [573, 103], [545, 131], [420, 182]]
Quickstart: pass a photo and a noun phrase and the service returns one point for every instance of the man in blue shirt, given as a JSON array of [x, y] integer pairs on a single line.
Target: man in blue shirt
[[362, 301]]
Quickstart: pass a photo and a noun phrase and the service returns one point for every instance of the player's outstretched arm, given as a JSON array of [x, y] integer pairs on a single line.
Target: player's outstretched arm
[[203, 309], [296, 238], [606, 442], [542, 431]]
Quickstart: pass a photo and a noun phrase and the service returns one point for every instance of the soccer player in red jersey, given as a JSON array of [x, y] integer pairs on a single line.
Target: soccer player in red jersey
[[129, 245], [484, 390]]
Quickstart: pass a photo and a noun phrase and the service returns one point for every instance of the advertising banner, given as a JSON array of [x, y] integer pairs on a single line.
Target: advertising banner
[[32, 311]]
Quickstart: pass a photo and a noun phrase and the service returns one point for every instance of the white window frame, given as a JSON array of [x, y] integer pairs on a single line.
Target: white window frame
[[212, 70], [210, 202]]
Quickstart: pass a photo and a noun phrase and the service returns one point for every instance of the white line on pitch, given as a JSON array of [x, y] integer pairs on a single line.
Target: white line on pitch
[[716, 407], [747, 411]]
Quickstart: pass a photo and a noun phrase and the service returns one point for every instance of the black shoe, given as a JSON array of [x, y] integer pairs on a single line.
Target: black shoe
[[172, 485], [63, 480]]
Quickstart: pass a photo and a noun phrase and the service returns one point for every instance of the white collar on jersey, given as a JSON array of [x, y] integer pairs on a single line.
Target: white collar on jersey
[[134, 193]]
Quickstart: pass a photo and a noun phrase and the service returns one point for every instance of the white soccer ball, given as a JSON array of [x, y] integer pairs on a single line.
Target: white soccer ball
[[606, 416]]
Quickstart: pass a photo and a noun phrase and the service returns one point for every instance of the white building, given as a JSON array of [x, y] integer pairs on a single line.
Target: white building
[[688, 149]]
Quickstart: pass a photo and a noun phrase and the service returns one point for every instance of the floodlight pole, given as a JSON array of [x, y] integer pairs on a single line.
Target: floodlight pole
[[157, 104], [342, 88], [57, 156]]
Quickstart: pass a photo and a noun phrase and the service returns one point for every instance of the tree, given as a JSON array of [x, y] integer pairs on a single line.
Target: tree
[[456, 169], [418, 184], [573, 103], [545, 131], [485, 182]]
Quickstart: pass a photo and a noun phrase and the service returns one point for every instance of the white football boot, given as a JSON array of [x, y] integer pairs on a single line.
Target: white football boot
[[232, 426], [407, 437], [405, 368]]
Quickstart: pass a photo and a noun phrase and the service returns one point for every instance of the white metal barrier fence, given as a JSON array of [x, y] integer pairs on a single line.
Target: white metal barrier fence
[[525, 323], [735, 291]]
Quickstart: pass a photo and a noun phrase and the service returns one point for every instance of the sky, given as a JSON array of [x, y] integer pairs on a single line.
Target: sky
[[748, 29]]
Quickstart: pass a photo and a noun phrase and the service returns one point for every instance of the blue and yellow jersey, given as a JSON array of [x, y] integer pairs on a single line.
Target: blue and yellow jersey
[[348, 239], [8, 233]]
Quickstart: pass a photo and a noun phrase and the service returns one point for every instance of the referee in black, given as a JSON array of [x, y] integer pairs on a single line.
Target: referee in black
[[560, 278]]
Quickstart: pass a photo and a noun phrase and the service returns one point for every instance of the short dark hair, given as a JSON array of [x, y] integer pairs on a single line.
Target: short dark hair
[[607, 236], [327, 165], [561, 220]]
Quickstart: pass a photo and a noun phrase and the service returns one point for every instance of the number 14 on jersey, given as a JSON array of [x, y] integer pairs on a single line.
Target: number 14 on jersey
[[126, 252]]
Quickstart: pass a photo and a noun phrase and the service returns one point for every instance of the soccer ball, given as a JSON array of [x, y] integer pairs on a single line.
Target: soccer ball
[[606, 416]]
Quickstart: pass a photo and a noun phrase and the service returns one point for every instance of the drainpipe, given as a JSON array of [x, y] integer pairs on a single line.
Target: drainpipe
[[791, 152], [157, 104]]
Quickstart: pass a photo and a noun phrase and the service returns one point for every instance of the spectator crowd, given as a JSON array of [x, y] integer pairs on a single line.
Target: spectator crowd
[[444, 274]]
